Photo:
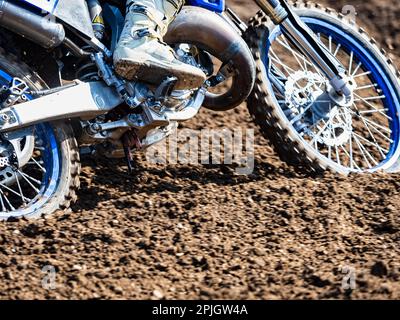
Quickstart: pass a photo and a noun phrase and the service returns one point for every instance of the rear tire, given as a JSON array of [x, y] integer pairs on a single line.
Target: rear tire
[[59, 192]]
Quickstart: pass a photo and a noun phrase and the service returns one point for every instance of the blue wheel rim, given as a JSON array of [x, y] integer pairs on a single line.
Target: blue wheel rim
[[369, 61], [51, 159]]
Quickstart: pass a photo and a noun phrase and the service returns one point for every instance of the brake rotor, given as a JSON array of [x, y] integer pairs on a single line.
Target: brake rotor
[[339, 131], [301, 89]]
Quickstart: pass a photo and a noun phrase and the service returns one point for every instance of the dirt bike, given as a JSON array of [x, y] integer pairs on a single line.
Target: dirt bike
[[60, 96]]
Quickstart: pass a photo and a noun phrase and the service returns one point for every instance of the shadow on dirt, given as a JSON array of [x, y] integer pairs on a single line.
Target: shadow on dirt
[[108, 177]]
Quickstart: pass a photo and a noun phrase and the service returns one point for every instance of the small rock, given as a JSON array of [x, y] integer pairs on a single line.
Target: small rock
[[16, 232], [118, 290], [385, 289], [77, 267], [158, 294], [9, 276], [259, 252], [260, 262]]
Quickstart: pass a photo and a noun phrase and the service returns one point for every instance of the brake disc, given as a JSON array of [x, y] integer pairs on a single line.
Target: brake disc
[[17, 147]]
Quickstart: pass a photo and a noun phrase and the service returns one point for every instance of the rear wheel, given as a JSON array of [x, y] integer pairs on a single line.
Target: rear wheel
[[304, 125], [39, 166]]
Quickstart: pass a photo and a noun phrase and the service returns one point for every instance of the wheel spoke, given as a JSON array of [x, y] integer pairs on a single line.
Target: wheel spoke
[[297, 55], [366, 87], [3, 208], [366, 152], [370, 98], [362, 149], [287, 68], [362, 74], [373, 111], [351, 153], [24, 176], [376, 125], [8, 201], [337, 50], [352, 162], [351, 62], [19, 188], [13, 191], [376, 144], [372, 106], [356, 69], [285, 44], [38, 164], [371, 143]]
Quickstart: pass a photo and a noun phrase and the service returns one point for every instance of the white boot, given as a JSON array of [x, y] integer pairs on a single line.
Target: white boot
[[142, 55]]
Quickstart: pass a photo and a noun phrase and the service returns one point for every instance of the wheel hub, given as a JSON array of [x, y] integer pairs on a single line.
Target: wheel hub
[[310, 94]]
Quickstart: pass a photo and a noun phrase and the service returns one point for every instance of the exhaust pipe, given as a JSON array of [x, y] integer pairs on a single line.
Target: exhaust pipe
[[210, 32], [43, 31]]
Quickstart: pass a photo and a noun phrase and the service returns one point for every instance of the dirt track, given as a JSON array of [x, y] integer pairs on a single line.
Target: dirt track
[[204, 232]]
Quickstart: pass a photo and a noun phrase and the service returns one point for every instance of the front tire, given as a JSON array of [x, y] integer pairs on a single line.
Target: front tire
[[286, 137]]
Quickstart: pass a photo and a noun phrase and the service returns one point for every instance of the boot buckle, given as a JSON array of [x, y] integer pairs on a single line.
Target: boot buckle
[[141, 33]]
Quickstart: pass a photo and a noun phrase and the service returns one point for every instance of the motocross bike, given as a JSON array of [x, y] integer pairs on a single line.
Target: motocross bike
[[59, 94]]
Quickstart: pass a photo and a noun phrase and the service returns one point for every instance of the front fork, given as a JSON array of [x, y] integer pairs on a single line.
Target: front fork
[[303, 38]]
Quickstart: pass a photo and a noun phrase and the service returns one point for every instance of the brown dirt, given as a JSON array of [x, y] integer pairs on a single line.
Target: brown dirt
[[204, 232]]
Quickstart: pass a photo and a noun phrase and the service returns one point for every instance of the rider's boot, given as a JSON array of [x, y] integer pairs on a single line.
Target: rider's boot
[[141, 53]]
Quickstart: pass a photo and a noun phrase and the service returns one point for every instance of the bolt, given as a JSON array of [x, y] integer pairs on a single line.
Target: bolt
[[5, 118], [96, 127]]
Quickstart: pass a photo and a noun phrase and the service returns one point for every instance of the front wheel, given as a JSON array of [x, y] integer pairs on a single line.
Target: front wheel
[[39, 166], [306, 127]]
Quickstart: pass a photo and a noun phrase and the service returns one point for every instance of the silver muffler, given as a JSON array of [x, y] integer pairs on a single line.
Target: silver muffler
[[45, 32], [210, 32]]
